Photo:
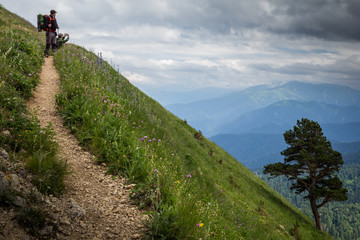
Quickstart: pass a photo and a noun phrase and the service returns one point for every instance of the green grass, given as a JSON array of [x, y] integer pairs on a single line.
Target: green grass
[[191, 187], [21, 57]]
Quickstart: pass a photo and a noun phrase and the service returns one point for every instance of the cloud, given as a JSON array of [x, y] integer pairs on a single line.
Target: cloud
[[208, 43], [137, 78]]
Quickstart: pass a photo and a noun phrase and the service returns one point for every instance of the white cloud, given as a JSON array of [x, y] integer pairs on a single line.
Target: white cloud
[[137, 78]]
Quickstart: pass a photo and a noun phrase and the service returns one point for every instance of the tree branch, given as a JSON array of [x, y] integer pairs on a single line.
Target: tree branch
[[326, 200]]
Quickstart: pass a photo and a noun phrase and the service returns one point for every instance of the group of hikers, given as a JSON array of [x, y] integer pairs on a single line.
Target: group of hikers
[[52, 39]]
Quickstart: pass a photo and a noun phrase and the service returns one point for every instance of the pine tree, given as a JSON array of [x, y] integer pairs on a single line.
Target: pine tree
[[312, 164]]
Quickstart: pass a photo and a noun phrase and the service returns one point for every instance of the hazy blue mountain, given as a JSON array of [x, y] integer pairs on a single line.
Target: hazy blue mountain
[[326, 93], [345, 148], [257, 150], [252, 150], [282, 115], [346, 132], [207, 115]]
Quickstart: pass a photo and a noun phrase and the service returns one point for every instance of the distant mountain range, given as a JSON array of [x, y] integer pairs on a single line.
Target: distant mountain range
[[255, 150], [282, 115], [249, 124], [211, 115]]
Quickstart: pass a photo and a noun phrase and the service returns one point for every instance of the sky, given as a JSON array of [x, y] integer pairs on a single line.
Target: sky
[[173, 45]]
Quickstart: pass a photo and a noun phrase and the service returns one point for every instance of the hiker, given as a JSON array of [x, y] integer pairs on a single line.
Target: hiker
[[51, 26], [62, 38]]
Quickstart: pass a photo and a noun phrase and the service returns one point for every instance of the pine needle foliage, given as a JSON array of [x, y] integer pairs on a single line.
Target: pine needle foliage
[[312, 163]]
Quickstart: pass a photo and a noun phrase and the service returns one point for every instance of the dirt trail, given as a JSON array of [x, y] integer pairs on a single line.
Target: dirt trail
[[94, 205]]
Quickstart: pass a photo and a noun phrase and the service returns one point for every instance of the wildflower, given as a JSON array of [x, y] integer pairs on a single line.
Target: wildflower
[[156, 170], [104, 112], [154, 139], [145, 137], [10, 74], [139, 126], [188, 176], [26, 131], [11, 120], [177, 181], [149, 140], [142, 139], [159, 140]]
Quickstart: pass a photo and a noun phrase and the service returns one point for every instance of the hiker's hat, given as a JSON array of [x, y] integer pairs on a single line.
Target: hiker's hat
[[53, 11]]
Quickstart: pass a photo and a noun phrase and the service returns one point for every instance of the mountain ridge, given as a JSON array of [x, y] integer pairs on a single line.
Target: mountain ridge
[[287, 112], [207, 115]]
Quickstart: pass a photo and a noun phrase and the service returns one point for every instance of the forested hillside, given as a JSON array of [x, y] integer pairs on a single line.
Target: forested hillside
[[340, 219]]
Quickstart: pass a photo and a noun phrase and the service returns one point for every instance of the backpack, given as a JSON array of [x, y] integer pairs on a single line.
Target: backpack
[[41, 22]]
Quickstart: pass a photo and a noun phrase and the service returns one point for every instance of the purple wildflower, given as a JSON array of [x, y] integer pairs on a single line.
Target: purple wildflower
[[159, 140], [11, 120], [104, 112], [188, 176], [142, 139], [10, 74], [156, 170]]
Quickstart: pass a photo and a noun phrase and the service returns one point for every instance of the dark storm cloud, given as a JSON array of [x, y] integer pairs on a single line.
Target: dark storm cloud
[[326, 19]]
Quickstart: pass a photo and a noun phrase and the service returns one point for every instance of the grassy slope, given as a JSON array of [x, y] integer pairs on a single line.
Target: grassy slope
[[116, 120], [21, 58]]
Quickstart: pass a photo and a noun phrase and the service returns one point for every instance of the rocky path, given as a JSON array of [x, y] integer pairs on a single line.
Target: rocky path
[[95, 206]]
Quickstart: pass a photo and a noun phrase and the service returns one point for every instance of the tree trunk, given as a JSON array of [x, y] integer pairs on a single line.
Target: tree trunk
[[316, 214]]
